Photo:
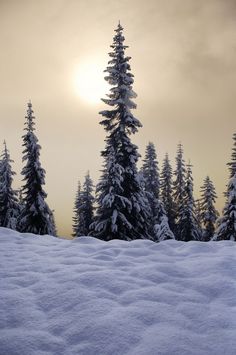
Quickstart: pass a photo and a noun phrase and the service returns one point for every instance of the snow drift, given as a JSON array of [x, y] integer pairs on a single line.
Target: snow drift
[[137, 298]]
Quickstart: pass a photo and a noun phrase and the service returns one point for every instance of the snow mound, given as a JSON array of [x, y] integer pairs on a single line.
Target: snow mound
[[90, 297]]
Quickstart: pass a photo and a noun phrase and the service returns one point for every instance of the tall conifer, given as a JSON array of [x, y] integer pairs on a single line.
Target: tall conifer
[[122, 207], [35, 217]]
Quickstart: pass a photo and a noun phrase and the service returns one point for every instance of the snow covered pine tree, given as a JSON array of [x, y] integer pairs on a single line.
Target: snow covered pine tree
[[83, 208], [209, 214], [150, 171], [198, 213], [35, 217], [122, 207], [158, 226], [232, 163], [77, 204], [187, 226], [166, 191], [227, 224], [9, 207], [179, 186], [162, 230]]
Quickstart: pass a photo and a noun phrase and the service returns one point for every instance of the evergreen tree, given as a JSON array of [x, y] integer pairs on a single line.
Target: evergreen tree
[[83, 208], [166, 191], [227, 223], [187, 226], [122, 207], [111, 202], [198, 212], [53, 222], [150, 171], [209, 214], [150, 184], [77, 205], [179, 186], [20, 199], [232, 163], [162, 230], [158, 222], [35, 217], [9, 208]]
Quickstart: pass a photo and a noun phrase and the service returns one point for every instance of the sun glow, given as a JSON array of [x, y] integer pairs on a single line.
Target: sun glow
[[89, 81]]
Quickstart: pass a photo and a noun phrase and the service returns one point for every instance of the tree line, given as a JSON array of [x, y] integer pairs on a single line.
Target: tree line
[[129, 203]]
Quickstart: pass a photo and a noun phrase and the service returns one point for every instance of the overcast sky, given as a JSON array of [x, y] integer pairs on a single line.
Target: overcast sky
[[184, 62]]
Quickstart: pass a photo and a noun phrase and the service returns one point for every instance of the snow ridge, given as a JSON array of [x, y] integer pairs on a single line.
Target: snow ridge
[[91, 297]]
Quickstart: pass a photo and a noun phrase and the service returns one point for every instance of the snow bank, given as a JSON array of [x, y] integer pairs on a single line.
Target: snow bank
[[118, 298]]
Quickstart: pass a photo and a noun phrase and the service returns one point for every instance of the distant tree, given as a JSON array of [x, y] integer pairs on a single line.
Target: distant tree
[[150, 183], [122, 208], [198, 212], [35, 217], [83, 208], [53, 222], [179, 186], [187, 226], [77, 205], [20, 199], [9, 208], [150, 170], [209, 214], [232, 163], [166, 191], [227, 223], [162, 229], [158, 222]]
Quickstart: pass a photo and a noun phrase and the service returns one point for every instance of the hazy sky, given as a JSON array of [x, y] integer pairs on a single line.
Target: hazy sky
[[184, 61]]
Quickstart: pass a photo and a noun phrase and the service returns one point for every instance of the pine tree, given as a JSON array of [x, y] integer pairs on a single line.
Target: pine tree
[[158, 222], [110, 203], [209, 214], [20, 199], [77, 205], [198, 212], [150, 183], [150, 171], [122, 207], [232, 163], [179, 186], [83, 208], [53, 222], [166, 191], [227, 223], [162, 229], [36, 217], [9, 208], [187, 226]]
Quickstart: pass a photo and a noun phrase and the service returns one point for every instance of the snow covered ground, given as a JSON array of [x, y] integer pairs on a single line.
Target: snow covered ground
[[89, 297]]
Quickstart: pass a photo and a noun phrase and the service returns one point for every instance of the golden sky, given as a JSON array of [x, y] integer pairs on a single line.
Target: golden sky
[[184, 61]]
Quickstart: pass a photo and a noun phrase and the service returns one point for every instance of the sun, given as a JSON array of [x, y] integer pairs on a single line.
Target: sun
[[89, 81]]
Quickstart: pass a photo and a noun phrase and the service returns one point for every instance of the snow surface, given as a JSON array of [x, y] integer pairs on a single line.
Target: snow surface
[[90, 297]]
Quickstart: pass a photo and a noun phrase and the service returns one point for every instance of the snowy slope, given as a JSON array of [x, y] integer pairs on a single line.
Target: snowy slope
[[89, 297]]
